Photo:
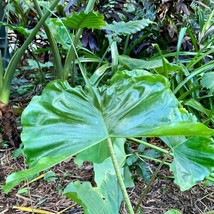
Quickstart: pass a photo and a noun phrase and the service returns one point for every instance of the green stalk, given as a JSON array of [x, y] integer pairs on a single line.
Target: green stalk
[[136, 42], [185, 94], [71, 54], [165, 71], [200, 55], [53, 45], [196, 72], [126, 44], [9, 73], [1, 72], [151, 146], [71, 57], [119, 178], [154, 159], [114, 54]]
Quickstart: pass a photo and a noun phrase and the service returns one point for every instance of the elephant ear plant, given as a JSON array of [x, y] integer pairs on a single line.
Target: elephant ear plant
[[66, 121]]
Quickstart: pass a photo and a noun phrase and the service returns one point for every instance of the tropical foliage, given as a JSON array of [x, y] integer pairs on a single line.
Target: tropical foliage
[[114, 82]]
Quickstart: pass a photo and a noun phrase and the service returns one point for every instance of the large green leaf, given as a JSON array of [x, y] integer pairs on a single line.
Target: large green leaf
[[92, 20], [127, 28], [64, 121], [193, 159], [96, 200]]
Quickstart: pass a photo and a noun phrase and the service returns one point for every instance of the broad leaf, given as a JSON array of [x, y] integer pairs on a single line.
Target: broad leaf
[[96, 200], [208, 81], [64, 121], [102, 171], [60, 33], [193, 160], [157, 64], [127, 28], [91, 20], [20, 29]]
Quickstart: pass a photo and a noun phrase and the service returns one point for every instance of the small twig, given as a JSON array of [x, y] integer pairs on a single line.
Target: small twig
[[150, 183]]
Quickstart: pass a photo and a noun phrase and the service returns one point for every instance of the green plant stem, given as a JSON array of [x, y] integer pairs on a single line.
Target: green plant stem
[[151, 146], [185, 94], [1, 72], [196, 72], [136, 42], [149, 184], [102, 59], [126, 44], [114, 55], [200, 55], [71, 54], [53, 45], [165, 71], [15, 60], [154, 159], [119, 177]]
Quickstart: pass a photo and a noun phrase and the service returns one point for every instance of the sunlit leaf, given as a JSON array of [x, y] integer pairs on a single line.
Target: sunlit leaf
[[193, 159], [64, 121]]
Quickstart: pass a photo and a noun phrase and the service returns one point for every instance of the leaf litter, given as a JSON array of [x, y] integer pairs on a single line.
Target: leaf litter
[[47, 195]]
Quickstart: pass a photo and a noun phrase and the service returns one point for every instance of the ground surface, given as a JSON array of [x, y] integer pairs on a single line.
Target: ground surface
[[47, 195]]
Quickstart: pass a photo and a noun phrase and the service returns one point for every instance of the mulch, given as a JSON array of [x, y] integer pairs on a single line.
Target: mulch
[[47, 195]]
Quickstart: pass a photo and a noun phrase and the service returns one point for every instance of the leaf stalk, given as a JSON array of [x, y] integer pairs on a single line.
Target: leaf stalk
[[119, 177]]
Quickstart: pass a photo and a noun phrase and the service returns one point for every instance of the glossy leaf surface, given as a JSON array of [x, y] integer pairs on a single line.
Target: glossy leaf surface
[[64, 121], [193, 159]]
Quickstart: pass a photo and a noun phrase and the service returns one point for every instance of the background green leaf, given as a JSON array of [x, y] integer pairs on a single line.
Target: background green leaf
[[91, 20], [127, 28], [60, 33], [208, 81]]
